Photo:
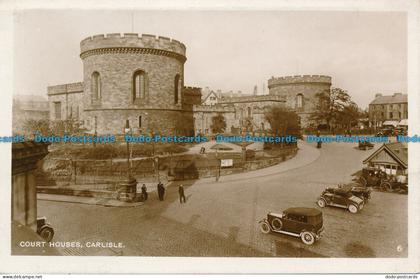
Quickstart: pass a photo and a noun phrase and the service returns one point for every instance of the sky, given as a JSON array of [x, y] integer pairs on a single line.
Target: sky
[[364, 52]]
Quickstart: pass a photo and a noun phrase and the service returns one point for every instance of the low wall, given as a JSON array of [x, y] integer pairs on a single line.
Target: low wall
[[105, 174]]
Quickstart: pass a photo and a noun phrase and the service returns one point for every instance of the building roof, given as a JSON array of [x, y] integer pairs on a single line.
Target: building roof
[[208, 95], [397, 150], [30, 98], [390, 123], [391, 99], [303, 211]]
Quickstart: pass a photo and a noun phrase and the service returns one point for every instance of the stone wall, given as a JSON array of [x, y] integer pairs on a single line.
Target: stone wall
[[243, 114], [25, 157], [70, 97]]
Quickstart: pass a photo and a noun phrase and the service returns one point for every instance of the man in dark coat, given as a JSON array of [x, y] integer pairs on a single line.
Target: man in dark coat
[[161, 191], [181, 194], [144, 192]]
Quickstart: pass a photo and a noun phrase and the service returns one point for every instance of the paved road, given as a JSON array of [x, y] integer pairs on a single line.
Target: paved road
[[221, 219]]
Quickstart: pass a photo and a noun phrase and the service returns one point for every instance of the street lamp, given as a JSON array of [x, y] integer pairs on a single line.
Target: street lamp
[[127, 131], [128, 187]]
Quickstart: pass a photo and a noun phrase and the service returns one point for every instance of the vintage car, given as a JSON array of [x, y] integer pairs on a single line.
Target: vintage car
[[371, 176], [302, 222], [338, 197], [358, 190], [374, 177], [365, 145], [394, 183], [44, 229]]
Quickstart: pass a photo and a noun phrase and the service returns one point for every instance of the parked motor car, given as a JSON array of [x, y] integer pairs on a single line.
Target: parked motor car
[[402, 131], [371, 176], [394, 183], [365, 145], [44, 229], [386, 132], [338, 197], [358, 190], [303, 222], [375, 177]]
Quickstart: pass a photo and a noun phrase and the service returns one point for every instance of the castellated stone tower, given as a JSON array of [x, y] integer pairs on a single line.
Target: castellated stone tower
[[135, 80], [300, 92]]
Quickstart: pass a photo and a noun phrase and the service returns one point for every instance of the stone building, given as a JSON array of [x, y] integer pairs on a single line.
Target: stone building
[[243, 113], [138, 81], [27, 107], [300, 92], [392, 108], [128, 80]]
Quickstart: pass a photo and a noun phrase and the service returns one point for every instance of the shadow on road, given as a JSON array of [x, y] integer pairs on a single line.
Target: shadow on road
[[358, 250]]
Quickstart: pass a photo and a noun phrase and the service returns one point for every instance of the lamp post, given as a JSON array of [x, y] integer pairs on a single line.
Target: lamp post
[[128, 186]]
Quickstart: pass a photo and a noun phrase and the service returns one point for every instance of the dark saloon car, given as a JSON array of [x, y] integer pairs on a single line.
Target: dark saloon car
[[365, 145], [303, 222], [338, 197]]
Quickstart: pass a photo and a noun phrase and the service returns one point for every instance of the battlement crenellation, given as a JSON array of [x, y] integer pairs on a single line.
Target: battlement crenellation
[[76, 87], [117, 40], [299, 79]]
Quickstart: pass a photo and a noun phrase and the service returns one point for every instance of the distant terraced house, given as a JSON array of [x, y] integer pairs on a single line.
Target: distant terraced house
[[388, 110]]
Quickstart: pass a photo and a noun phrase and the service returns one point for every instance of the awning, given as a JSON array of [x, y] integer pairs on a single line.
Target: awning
[[390, 123], [403, 122]]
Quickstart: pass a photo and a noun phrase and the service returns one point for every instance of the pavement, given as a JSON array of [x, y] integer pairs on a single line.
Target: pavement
[[86, 200], [306, 155], [207, 145]]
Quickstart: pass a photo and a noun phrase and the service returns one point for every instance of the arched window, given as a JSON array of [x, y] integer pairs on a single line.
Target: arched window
[[139, 85], [96, 86], [299, 101], [176, 89]]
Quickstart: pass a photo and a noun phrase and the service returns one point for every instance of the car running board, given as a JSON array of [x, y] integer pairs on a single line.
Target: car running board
[[288, 233], [338, 205]]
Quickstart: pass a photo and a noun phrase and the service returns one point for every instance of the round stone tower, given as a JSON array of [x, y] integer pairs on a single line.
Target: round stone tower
[[133, 80], [300, 92]]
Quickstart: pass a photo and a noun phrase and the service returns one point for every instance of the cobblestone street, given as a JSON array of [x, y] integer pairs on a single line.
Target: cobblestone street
[[221, 218]]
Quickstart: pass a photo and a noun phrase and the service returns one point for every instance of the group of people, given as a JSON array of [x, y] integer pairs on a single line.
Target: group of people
[[161, 192]]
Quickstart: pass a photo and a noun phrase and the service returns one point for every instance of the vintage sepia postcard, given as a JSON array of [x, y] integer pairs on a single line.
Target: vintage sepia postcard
[[210, 137]]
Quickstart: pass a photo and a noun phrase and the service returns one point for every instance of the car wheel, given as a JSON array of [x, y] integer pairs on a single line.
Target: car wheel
[[321, 203], [47, 233], [308, 238], [387, 186], [264, 227], [352, 208], [276, 224]]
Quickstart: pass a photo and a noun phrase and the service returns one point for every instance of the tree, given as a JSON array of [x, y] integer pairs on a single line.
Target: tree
[[349, 116], [41, 126], [331, 105], [283, 121], [218, 124], [184, 126]]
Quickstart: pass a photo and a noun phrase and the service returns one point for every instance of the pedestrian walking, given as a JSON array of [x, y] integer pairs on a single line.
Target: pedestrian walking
[[181, 194], [144, 192], [161, 191]]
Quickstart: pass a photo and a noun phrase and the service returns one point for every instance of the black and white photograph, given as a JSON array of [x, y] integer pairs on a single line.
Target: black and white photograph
[[201, 133]]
